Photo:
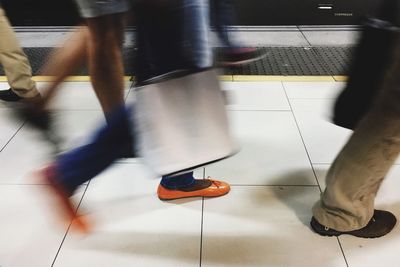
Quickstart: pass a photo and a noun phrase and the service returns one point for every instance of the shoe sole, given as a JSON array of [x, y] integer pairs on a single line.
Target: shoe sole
[[167, 199], [337, 234]]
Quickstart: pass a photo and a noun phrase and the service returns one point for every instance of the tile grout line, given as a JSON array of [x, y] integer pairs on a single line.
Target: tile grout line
[[258, 110], [304, 36], [312, 167], [341, 249], [69, 227], [201, 224], [320, 61], [127, 95], [12, 137], [201, 231], [302, 138]]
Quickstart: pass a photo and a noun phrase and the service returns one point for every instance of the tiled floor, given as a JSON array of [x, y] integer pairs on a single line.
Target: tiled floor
[[287, 146]]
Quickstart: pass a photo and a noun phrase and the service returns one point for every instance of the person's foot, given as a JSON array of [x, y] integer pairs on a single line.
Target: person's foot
[[381, 223], [41, 120], [9, 96], [200, 188], [61, 199], [235, 57]]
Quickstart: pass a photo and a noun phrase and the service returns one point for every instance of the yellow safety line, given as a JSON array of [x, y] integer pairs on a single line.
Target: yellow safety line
[[234, 78], [340, 78], [68, 79], [226, 78], [280, 78]]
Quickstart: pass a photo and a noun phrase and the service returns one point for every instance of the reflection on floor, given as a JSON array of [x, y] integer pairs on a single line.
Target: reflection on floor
[[287, 144]]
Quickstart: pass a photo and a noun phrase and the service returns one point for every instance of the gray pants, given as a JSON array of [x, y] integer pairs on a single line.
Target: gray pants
[[358, 171]]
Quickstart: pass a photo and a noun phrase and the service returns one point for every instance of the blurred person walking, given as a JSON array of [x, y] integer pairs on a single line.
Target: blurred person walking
[[353, 180], [233, 52], [186, 49], [16, 66], [372, 110], [110, 143]]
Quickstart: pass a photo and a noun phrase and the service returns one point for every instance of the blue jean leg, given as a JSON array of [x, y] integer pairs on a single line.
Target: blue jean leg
[[223, 15], [109, 144], [196, 33]]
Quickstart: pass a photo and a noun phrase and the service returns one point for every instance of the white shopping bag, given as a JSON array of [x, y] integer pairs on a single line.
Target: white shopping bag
[[181, 122]]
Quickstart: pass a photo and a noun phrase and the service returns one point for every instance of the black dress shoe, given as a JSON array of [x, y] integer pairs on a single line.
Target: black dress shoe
[[9, 96], [381, 223]]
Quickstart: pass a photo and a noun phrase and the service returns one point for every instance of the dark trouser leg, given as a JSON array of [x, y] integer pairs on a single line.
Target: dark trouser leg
[[109, 144]]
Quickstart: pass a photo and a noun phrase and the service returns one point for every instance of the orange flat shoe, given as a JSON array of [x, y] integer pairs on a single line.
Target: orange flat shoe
[[216, 189], [62, 200]]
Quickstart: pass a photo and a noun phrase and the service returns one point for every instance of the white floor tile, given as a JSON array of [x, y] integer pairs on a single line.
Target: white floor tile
[[256, 96], [322, 108], [323, 139], [132, 226], [253, 225], [272, 152], [274, 37], [4, 86], [266, 226], [321, 170], [28, 151], [373, 252], [76, 96], [30, 233], [8, 127], [331, 38], [313, 90]]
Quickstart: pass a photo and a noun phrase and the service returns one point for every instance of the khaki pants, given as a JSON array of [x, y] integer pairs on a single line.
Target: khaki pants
[[15, 63], [358, 171]]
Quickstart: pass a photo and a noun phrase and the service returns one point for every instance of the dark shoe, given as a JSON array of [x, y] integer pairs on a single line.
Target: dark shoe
[[9, 96], [41, 120], [235, 57], [381, 224]]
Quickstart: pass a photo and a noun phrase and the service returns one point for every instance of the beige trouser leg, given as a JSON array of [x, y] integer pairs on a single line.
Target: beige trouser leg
[[356, 174], [15, 63]]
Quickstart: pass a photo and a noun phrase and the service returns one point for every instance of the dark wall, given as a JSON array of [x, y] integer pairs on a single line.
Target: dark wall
[[302, 12], [41, 12], [249, 12]]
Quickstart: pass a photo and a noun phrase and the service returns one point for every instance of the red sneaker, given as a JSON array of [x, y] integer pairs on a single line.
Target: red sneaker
[[62, 200]]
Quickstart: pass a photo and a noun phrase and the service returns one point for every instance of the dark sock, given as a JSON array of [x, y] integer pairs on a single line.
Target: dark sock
[[199, 184]]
